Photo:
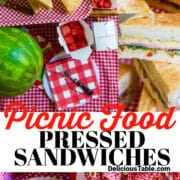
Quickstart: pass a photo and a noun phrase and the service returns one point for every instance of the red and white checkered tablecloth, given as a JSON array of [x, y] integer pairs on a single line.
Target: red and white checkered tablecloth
[[111, 175], [25, 176], [98, 176], [9, 17], [133, 176], [106, 61]]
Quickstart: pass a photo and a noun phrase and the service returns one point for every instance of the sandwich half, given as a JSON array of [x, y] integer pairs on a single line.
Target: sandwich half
[[160, 40], [35, 4], [71, 5], [162, 80], [146, 102], [128, 83]]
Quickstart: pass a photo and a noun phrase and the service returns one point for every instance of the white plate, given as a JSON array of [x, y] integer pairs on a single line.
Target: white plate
[[45, 78]]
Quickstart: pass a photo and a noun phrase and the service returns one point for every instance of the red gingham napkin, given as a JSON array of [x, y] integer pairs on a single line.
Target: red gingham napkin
[[65, 92], [106, 61], [9, 17]]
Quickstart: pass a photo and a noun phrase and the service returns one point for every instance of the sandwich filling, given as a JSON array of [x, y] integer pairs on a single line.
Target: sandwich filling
[[142, 52], [152, 87], [143, 40]]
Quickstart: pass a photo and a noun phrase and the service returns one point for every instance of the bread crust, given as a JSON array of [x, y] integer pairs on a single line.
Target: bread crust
[[164, 5], [47, 4], [71, 5], [133, 6], [175, 1], [146, 102], [161, 19]]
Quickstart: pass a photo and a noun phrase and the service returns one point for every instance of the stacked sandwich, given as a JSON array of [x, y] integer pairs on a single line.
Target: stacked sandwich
[[155, 49]]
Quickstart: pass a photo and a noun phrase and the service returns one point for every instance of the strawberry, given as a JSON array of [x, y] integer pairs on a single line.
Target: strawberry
[[81, 44], [80, 37], [95, 5], [74, 36], [96, 1], [101, 3], [66, 30], [72, 47], [73, 24], [69, 39], [107, 4], [77, 30]]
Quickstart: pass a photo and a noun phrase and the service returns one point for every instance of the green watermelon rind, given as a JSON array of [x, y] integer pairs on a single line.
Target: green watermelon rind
[[23, 61]]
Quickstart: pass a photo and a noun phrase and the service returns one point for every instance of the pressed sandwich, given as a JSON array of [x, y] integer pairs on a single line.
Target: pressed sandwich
[[128, 82], [162, 80], [160, 40], [35, 4], [71, 5]]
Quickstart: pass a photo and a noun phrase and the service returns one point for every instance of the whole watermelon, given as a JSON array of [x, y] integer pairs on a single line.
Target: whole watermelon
[[21, 61]]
